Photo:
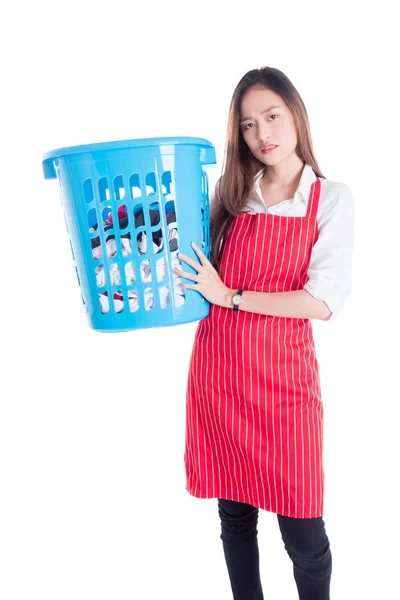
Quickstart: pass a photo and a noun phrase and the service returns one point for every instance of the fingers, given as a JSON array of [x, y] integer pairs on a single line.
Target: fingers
[[193, 263], [188, 260], [185, 274], [200, 253]]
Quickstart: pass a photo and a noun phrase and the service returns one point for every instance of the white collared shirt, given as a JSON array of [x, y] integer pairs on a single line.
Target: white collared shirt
[[330, 267]]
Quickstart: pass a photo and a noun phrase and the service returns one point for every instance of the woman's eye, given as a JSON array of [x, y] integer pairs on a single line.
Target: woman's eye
[[246, 126]]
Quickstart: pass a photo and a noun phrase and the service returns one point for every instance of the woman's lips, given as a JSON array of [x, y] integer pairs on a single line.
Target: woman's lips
[[269, 150]]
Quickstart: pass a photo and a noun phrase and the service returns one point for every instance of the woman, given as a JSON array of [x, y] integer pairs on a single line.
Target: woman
[[281, 252]]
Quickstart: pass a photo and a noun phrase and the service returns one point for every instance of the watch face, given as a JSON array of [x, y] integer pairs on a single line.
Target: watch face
[[237, 300]]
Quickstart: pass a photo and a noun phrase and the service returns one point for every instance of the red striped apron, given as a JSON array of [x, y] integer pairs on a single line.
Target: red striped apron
[[254, 416]]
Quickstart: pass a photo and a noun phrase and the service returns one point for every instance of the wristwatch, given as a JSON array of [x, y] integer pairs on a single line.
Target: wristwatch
[[237, 299]]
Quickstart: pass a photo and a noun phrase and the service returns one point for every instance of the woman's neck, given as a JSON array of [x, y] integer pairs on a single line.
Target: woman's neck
[[283, 175]]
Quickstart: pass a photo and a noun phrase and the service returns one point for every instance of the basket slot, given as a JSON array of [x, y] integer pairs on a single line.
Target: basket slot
[[88, 190], [134, 186], [166, 181], [104, 192], [151, 185], [119, 189]]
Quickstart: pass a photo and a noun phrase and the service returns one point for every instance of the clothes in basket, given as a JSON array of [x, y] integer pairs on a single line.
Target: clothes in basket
[[145, 269]]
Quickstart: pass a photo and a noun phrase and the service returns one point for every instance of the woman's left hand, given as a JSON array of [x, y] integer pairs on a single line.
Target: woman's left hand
[[209, 284]]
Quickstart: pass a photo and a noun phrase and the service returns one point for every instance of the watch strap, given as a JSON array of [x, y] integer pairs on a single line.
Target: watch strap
[[238, 293]]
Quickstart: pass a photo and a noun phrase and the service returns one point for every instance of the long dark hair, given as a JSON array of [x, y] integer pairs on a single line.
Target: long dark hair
[[234, 187]]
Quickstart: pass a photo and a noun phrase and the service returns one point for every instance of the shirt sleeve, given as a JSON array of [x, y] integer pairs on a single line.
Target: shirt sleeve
[[330, 267]]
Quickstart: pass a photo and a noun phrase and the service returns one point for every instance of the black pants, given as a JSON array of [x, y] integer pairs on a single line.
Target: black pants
[[305, 541]]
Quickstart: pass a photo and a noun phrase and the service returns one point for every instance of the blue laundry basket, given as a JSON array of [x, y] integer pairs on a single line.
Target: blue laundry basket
[[130, 207]]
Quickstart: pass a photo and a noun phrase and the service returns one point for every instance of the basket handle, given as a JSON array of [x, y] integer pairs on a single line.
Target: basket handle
[[49, 171], [207, 155]]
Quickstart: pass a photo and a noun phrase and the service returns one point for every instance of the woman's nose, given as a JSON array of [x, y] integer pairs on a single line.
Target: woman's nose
[[263, 135], [264, 138]]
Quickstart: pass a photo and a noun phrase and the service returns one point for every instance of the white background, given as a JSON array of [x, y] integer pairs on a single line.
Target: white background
[[93, 502]]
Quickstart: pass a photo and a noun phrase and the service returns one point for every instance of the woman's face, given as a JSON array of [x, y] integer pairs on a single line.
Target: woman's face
[[265, 119]]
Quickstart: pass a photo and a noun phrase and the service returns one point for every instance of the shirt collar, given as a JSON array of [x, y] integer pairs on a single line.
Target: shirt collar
[[303, 189]]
